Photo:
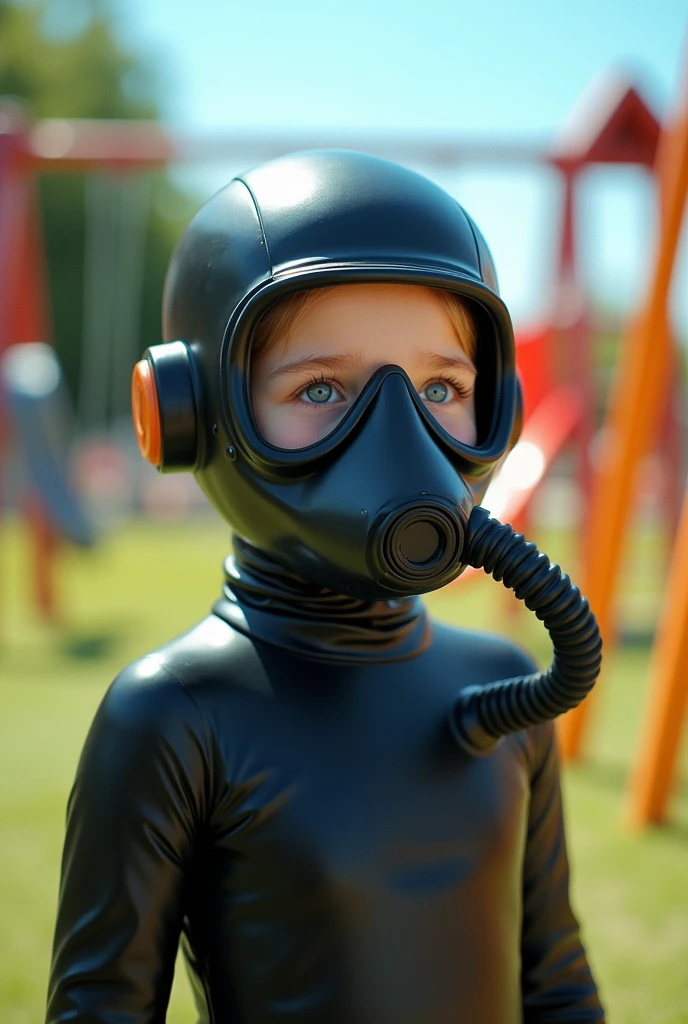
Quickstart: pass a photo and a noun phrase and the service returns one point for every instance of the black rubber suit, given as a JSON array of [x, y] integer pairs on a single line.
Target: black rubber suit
[[278, 786]]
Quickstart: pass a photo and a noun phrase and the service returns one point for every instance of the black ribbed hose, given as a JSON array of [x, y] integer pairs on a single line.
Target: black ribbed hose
[[483, 714]]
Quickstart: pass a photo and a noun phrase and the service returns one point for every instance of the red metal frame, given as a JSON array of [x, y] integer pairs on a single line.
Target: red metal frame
[[24, 317]]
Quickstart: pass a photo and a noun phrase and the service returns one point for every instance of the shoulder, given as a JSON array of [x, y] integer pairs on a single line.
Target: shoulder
[[150, 746], [178, 676], [492, 656], [154, 712], [144, 704]]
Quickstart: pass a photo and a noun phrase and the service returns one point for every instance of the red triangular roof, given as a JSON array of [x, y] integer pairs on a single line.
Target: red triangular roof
[[611, 124]]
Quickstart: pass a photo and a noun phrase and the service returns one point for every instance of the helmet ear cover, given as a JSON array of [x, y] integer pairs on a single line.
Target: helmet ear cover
[[165, 407]]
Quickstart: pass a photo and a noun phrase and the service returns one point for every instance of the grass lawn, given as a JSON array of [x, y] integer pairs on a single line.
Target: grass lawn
[[147, 582]]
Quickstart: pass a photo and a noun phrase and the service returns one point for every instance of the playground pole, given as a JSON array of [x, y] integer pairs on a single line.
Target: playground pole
[[573, 333], [667, 699], [641, 385]]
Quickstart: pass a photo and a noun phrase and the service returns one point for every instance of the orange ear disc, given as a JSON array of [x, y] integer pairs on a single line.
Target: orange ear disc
[[146, 412]]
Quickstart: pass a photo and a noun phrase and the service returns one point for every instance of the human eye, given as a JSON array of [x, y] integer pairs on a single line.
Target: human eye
[[446, 390], [319, 392]]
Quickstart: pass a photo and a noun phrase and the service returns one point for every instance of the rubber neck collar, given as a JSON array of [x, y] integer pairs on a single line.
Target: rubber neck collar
[[269, 603]]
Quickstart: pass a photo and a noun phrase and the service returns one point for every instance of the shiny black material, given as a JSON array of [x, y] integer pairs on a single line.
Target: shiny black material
[[342, 525], [279, 786], [275, 606], [332, 512], [483, 714], [179, 404]]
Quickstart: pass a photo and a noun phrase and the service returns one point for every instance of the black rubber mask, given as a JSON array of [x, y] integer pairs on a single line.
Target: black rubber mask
[[383, 507]]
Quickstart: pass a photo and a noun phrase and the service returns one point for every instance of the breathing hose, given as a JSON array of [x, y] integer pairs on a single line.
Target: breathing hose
[[481, 715]]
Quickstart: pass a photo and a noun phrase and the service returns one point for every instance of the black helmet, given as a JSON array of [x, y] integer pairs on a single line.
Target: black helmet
[[378, 507]]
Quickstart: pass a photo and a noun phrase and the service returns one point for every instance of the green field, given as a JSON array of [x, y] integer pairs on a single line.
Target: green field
[[145, 583]]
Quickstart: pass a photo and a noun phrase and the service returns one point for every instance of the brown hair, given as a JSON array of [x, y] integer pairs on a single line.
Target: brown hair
[[282, 319]]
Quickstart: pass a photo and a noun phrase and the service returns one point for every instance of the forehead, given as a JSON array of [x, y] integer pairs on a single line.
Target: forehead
[[372, 314], [385, 321], [383, 297]]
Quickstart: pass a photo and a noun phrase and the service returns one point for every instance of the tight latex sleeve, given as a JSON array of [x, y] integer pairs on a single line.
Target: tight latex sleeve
[[134, 813], [557, 984]]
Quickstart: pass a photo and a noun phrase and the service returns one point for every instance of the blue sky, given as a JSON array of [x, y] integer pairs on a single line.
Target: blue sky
[[499, 68]]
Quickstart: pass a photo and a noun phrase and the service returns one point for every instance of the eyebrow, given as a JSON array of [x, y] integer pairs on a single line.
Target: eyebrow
[[347, 361], [444, 362], [316, 362]]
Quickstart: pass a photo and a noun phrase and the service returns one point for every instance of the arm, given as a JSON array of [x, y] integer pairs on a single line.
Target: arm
[[135, 808], [556, 981]]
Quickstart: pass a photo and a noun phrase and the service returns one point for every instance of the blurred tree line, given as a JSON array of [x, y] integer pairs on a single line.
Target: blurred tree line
[[63, 58]]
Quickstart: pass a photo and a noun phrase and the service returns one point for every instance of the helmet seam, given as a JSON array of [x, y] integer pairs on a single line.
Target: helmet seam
[[475, 242], [259, 215]]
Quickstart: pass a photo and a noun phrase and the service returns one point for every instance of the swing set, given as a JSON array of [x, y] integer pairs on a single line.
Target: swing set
[[555, 363]]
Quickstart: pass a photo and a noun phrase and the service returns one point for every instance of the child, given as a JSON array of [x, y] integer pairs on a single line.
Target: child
[[278, 786]]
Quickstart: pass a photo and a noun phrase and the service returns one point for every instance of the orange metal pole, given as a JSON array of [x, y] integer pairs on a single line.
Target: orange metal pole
[[641, 385], [670, 447], [667, 701]]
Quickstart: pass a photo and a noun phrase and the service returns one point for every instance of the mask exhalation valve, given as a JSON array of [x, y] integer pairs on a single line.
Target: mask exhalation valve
[[419, 544]]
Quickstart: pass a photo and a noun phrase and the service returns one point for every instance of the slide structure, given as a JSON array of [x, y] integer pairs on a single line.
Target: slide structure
[[40, 413]]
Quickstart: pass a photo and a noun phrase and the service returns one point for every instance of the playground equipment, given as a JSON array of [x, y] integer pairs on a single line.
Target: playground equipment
[[36, 393], [555, 363], [33, 398], [644, 384], [613, 127], [641, 413]]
